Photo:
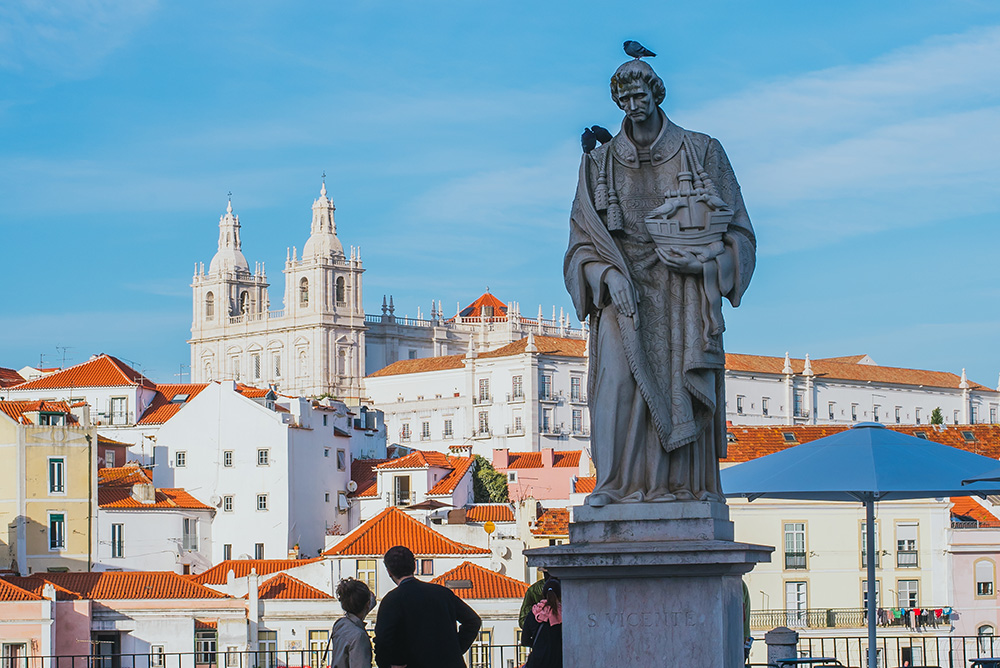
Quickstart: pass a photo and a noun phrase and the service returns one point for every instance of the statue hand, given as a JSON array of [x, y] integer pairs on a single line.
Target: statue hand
[[682, 261], [620, 291]]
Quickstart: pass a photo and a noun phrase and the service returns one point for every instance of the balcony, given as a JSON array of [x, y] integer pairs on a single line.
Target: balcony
[[515, 397], [577, 399], [482, 433], [482, 400], [864, 560], [548, 397], [795, 560], [820, 618], [514, 431], [581, 433], [906, 559]]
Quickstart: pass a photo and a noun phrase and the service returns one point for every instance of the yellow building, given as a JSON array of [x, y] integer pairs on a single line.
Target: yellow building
[[48, 497]]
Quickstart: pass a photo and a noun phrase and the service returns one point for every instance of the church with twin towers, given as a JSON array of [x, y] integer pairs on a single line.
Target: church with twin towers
[[320, 341]]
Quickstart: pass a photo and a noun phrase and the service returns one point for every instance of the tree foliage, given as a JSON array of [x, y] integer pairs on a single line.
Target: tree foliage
[[937, 417], [488, 484]]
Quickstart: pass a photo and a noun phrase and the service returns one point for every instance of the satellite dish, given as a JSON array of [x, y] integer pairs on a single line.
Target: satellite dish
[[352, 486], [216, 500]]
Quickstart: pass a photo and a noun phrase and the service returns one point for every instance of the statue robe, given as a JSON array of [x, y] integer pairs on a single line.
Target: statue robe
[[656, 386]]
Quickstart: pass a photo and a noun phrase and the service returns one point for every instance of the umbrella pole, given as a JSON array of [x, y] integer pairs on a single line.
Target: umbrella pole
[[870, 542]]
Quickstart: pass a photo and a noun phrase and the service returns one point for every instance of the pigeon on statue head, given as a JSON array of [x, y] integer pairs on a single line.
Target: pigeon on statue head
[[637, 50]]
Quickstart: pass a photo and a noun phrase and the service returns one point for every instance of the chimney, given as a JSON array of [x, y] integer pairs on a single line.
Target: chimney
[[81, 411], [144, 493], [501, 458], [548, 457]]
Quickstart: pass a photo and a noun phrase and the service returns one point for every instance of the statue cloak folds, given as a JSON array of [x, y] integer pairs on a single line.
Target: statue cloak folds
[[656, 380]]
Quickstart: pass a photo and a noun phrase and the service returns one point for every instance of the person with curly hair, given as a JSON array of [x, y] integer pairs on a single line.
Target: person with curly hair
[[349, 641]]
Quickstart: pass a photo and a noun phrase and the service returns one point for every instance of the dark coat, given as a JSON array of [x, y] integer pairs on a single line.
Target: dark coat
[[416, 627], [546, 649]]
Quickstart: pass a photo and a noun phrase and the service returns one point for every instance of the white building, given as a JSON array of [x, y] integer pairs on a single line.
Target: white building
[[764, 390], [524, 396], [277, 472]]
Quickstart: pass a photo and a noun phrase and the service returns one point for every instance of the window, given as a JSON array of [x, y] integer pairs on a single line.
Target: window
[[484, 390], [577, 421], [796, 604], [234, 365], [276, 364], [367, 573], [52, 419], [262, 502], [739, 405], [899, 414], [190, 539], [854, 412], [227, 459], [518, 423], [326, 497], [180, 459], [427, 567], [765, 411], [516, 388], [575, 392], [341, 291], [993, 414], [484, 422], [968, 436], [341, 460], [545, 392], [233, 656], [227, 551], [449, 428], [304, 292], [795, 545], [511, 476], [798, 399], [955, 417], [789, 437], [109, 458], [117, 541], [156, 652], [920, 434], [401, 487], [317, 646], [864, 545], [258, 550], [481, 652], [412, 354], [425, 430], [227, 503], [405, 431], [57, 475], [832, 408], [875, 412], [263, 457], [119, 410], [984, 578], [546, 420], [909, 593], [57, 531], [864, 594], [326, 452], [255, 365], [986, 633], [916, 415], [204, 647], [906, 544]]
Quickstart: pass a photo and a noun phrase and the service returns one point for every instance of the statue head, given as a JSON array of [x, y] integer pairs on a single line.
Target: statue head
[[636, 72]]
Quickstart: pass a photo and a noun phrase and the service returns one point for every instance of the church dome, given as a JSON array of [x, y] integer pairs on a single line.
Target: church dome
[[229, 257], [323, 241]]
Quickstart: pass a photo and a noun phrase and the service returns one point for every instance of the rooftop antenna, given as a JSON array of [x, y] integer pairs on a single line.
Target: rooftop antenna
[[181, 373], [63, 350]]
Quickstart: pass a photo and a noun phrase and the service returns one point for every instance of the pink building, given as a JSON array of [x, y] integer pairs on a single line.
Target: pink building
[[544, 475], [974, 543]]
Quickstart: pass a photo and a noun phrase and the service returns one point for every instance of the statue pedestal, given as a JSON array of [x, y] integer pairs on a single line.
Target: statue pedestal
[[652, 584]]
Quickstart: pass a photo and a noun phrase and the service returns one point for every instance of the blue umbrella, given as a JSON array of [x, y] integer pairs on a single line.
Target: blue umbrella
[[865, 464]]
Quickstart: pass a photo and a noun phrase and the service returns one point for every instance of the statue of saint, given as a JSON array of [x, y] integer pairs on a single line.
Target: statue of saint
[[659, 236]]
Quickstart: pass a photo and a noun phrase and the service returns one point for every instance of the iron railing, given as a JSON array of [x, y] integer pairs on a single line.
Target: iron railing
[[828, 618], [943, 651]]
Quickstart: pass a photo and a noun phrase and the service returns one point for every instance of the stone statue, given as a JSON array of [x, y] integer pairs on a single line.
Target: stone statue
[[659, 236]]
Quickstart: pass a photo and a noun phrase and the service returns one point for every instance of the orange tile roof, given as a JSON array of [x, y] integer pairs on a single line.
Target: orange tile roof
[[11, 592], [394, 527], [286, 588], [485, 583], [120, 498], [475, 309], [124, 476], [205, 624], [117, 585], [965, 506], [547, 345], [363, 473], [533, 460], [16, 409], [839, 370], [99, 371], [162, 407], [489, 512], [252, 392], [748, 443], [216, 575], [418, 459], [553, 522], [846, 359], [449, 483], [104, 440], [36, 586], [10, 377], [585, 485]]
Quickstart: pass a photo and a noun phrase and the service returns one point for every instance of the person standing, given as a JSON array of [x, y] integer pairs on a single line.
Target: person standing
[[349, 642], [531, 597], [545, 622], [420, 624]]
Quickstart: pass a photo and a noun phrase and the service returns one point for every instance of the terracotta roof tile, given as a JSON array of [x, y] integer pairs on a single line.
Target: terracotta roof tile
[[964, 506], [748, 443], [485, 583], [99, 371], [533, 460], [489, 512], [553, 522], [836, 369], [394, 527], [9, 377], [104, 440], [448, 484], [547, 345], [585, 485], [216, 575], [116, 585], [163, 407], [206, 624], [120, 498], [11, 592], [124, 476], [418, 459], [286, 588], [252, 392], [421, 365], [36, 586], [363, 473], [16, 409], [475, 309]]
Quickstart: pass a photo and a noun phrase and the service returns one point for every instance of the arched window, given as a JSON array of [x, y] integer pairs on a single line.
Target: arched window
[[304, 292], [985, 633], [342, 362], [245, 302], [984, 578], [209, 306], [341, 298]]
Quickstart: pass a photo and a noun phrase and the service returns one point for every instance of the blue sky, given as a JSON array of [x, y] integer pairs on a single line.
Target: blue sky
[[865, 136]]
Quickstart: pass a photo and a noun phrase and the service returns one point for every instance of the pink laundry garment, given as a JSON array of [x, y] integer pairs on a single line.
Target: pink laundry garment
[[544, 614]]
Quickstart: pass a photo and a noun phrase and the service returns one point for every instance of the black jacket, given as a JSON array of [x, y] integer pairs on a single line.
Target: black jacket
[[416, 627]]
